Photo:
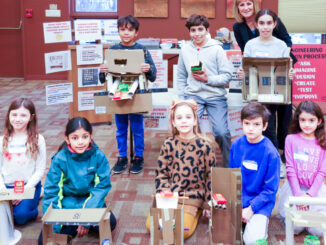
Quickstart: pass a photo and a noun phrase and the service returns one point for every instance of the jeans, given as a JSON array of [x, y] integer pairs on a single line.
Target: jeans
[[284, 115], [137, 128], [217, 110], [26, 210]]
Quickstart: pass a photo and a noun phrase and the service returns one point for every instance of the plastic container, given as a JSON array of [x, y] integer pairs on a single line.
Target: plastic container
[[106, 241], [261, 242], [311, 240]]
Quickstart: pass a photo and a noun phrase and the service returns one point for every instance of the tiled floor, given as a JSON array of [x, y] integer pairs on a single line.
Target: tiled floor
[[130, 196]]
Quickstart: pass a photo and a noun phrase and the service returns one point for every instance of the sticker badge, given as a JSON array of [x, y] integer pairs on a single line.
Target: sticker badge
[[252, 165], [301, 156]]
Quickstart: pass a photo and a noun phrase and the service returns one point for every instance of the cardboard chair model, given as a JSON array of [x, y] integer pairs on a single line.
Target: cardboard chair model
[[267, 80], [171, 231], [124, 65], [225, 225], [84, 216]]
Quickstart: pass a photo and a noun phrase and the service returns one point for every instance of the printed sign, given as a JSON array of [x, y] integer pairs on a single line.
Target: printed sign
[[58, 93], [89, 54], [55, 32]]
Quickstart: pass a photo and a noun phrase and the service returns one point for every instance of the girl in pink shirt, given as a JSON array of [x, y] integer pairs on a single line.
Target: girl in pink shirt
[[305, 160]]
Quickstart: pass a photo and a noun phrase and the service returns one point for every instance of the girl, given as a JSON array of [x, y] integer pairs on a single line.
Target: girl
[[305, 152], [268, 46], [22, 157], [184, 163], [79, 176]]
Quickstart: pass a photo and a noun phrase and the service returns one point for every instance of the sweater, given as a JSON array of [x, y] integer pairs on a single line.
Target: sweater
[[260, 171], [17, 165], [305, 164], [217, 67], [274, 49], [185, 166]]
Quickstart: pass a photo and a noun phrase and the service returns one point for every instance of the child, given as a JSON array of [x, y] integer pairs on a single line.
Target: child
[[128, 31], [259, 162], [185, 162], [79, 176], [305, 160], [206, 87], [23, 157], [268, 46]]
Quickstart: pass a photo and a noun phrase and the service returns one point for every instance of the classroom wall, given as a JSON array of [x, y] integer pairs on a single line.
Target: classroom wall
[[27, 52]]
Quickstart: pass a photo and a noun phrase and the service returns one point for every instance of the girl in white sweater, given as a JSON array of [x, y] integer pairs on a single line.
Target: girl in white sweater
[[22, 157]]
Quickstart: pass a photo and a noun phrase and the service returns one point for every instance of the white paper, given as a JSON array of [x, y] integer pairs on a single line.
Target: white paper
[[167, 202], [162, 70], [89, 54], [56, 32], [114, 87], [88, 77], [111, 30], [158, 119], [57, 61], [86, 100], [58, 93], [133, 88], [88, 30]]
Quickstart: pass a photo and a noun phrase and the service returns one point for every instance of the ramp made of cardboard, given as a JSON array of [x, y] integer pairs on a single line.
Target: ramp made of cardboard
[[11, 195], [226, 223], [273, 78]]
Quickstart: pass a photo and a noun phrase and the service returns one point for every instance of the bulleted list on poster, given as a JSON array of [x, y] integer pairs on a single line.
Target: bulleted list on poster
[[58, 93]]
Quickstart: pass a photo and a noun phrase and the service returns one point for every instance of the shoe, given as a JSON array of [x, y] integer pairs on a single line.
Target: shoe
[[283, 171], [137, 165], [121, 165]]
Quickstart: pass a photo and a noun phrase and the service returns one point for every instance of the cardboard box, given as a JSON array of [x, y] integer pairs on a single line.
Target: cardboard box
[[84, 216], [171, 231], [11, 195], [225, 224], [267, 80]]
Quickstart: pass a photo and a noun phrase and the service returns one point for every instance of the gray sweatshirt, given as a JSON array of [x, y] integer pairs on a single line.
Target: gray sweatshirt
[[217, 67]]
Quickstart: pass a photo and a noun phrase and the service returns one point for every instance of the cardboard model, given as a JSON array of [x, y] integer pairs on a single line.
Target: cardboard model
[[170, 229], [225, 224], [85, 216], [123, 80], [267, 80]]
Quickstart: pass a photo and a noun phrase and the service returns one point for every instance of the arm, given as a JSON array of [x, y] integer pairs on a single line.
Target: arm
[[224, 70], [182, 76], [238, 36], [291, 172], [151, 71], [162, 172], [40, 164], [102, 183], [282, 33], [270, 185], [232, 162], [210, 161], [2, 182], [320, 176]]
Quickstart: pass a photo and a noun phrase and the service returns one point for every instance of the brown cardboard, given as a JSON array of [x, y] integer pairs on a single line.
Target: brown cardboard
[[167, 235], [269, 78], [124, 62], [140, 103], [83, 216], [11, 195], [225, 224]]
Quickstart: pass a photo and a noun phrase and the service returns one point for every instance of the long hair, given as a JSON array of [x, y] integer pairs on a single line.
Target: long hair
[[31, 144], [314, 109], [235, 8], [75, 124]]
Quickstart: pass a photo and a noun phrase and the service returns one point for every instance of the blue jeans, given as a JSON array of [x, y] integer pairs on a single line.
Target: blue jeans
[[217, 110], [137, 128], [26, 210]]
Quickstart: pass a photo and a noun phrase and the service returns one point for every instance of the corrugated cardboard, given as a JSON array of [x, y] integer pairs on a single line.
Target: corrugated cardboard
[[124, 62], [272, 81], [11, 195], [84, 216], [225, 224], [168, 234], [140, 103]]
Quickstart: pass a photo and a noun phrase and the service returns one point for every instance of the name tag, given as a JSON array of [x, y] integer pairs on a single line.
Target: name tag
[[301, 156], [261, 54], [16, 149], [252, 165]]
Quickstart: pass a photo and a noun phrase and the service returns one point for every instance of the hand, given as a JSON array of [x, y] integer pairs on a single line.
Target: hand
[[104, 68], [200, 76], [291, 74], [145, 67], [304, 207], [207, 213], [16, 202], [82, 231], [247, 213], [240, 73]]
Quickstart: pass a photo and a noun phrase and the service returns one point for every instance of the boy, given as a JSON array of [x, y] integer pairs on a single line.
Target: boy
[[260, 169], [128, 31], [207, 85]]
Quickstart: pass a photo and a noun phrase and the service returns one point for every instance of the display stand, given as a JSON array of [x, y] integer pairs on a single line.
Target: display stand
[[73, 77]]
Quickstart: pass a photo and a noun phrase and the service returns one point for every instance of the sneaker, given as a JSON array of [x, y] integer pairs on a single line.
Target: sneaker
[[137, 165], [121, 165]]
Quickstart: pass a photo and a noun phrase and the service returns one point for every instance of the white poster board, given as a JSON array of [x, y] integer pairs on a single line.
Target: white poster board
[[89, 54], [86, 100], [58, 93], [161, 65], [158, 119], [57, 61], [88, 30], [111, 30], [56, 32]]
